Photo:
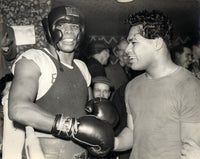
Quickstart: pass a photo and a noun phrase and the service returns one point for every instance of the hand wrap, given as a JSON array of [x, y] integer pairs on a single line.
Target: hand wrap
[[64, 126]]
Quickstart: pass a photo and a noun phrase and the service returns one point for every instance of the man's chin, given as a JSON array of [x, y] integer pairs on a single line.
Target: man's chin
[[136, 67], [68, 50]]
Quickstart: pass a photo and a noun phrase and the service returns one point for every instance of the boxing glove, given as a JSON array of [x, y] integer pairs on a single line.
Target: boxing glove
[[96, 134], [103, 109]]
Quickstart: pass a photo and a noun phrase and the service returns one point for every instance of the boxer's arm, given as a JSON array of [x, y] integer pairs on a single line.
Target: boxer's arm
[[124, 140], [22, 94]]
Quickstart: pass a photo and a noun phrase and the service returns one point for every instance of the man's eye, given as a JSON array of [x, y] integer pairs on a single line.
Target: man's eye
[[106, 91], [59, 26], [132, 42], [76, 27], [129, 40]]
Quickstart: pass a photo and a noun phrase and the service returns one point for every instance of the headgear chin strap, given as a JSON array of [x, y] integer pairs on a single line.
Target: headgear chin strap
[[66, 14]]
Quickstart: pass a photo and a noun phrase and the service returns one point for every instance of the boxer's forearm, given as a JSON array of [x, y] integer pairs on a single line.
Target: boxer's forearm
[[124, 141], [32, 115]]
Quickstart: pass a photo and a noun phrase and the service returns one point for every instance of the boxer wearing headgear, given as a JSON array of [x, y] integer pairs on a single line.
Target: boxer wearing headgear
[[52, 100], [55, 29], [59, 16]]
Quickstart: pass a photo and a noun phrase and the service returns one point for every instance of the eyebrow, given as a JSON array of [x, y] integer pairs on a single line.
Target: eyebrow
[[130, 40]]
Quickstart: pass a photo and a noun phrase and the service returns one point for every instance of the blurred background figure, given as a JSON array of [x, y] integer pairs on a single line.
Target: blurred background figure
[[183, 55], [196, 59], [8, 48], [98, 57], [115, 70], [119, 52], [196, 51]]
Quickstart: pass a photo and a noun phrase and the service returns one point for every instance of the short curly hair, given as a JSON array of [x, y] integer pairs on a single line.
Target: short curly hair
[[155, 24]]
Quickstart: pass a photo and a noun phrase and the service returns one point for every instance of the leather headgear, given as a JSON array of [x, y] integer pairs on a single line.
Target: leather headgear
[[66, 14]]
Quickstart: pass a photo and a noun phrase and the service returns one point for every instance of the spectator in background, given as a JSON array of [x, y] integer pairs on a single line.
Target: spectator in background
[[182, 55], [102, 87], [196, 59], [115, 69], [119, 52], [196, 51], [97, 59]]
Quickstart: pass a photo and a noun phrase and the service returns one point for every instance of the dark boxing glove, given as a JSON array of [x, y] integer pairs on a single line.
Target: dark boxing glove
[[103, 109], [96, 134]]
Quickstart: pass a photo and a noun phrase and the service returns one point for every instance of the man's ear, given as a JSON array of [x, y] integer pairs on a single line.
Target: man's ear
[[158, 43]]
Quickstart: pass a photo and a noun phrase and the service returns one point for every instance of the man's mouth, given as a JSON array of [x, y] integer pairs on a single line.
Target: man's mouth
[[68, 41], [132, 59]]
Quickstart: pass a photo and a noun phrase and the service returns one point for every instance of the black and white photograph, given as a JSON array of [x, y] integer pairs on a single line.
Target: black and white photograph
[[99, 79]]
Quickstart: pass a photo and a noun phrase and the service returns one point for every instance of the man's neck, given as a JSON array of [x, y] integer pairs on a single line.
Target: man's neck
[[66, 58], [161, 70]]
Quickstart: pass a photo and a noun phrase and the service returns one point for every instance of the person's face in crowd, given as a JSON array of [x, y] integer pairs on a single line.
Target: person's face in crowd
[[105, 54], [196, 51], [139, 50], [101, 90], [71, 33], [120, 52], [184, 59]]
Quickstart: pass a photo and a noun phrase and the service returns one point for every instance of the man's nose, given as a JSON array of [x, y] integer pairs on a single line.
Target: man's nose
[[102, 94], [67, 29], [128, 48]]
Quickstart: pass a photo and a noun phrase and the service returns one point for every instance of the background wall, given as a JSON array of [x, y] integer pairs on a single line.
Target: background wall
[[105, 18], [26, 12]]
